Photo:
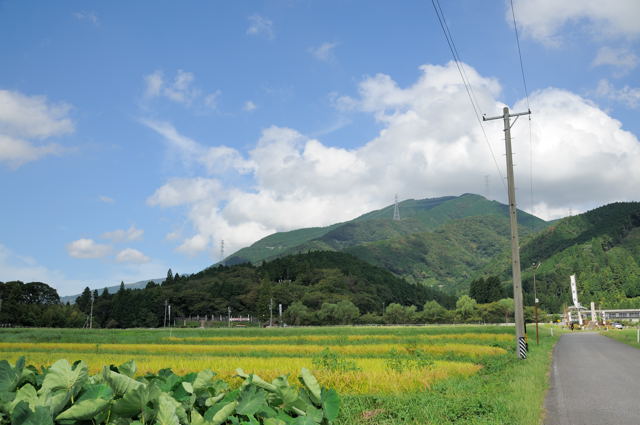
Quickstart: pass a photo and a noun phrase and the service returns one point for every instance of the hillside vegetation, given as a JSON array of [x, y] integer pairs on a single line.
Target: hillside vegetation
[[440, 242], [602, 247]]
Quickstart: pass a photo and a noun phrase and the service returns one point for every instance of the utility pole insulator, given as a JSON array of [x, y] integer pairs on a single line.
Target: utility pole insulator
[[521, 343]]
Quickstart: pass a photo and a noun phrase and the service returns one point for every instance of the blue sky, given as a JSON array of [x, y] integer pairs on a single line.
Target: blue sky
[[135, 136]]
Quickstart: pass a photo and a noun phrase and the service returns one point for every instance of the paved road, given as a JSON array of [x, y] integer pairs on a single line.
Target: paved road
[[594, 380]]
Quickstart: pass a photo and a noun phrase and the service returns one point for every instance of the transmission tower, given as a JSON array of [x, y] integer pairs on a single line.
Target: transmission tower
[[396, 210], [222, 250]]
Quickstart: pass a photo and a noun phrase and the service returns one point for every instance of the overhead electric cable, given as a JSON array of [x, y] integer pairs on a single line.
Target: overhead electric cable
[[526, 92], [465, 80]]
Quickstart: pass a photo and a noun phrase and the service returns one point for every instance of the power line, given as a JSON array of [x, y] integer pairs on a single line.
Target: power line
[[526, 93], [465, 80], [524, 80]]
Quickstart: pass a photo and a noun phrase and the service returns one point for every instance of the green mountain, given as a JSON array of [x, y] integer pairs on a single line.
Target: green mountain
[[417, 216], [601, 246], [438, 242], [447, 257]]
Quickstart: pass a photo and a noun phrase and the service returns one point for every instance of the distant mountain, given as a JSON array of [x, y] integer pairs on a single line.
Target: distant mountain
[[601, 246], [71, 299], [438, 242]]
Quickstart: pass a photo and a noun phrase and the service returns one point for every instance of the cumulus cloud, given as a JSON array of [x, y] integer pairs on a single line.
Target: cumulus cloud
[[130, 255], [629, 96], [544, 19], [429, 145], [186, 191], [87, 248], [261, 26], [120, 235], [620, 58], [25, 122], [324, 52], [249, 106]]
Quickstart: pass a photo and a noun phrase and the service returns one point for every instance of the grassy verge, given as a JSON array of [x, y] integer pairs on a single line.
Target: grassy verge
[[506, 391], [628, 336]]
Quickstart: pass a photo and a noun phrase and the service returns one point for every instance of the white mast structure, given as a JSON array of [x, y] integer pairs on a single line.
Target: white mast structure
[[396, 210]]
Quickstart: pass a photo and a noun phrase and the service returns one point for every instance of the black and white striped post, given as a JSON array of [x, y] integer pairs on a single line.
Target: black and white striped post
[[522, 348]]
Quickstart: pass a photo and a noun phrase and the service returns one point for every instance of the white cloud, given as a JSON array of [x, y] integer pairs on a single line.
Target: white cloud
[[620, 58], [27, 120], [131, 234], [249, 106], [430, 145], [87, 248], [172, 236], [181, 90], [216, 160], [629, 96], [87, 15], [106, 199], [543, 20], [324, 52], [186, 191], [211, 100], [130, 255], [259, 25], [16, 152]]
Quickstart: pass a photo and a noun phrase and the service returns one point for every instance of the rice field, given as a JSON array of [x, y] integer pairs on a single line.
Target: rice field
[[352, 360]]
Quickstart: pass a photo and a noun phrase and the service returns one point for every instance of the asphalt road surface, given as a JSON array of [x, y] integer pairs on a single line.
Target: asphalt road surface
[[594, 380]]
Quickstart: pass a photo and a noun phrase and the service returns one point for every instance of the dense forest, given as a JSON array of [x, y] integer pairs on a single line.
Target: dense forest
[[36, 304]]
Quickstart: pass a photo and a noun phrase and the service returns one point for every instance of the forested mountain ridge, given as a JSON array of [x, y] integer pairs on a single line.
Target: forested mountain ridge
[[448, 257], [601, 246], [417, 217]]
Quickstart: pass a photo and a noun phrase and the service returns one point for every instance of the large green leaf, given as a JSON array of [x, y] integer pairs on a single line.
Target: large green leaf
[[61, 376], [134, 401], [93, 400], [330, 404], [129, 368], [204, 380], [222, 414], [10, 375], [22, 415], [251, 401], [303, 420], [167, 410], [312, 385], [26, 393], [119, 383]]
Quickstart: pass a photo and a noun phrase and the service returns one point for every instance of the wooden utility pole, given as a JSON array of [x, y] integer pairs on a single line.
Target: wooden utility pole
[[535, 296], [271, 312], [521, 343], [91, 313]]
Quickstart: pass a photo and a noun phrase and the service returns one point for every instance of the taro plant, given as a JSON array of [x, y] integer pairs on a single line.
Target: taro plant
[[65, 394]]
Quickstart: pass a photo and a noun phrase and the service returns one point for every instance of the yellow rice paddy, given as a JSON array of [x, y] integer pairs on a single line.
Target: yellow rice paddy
[[191, 349], [271, 356], [374, 376]]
